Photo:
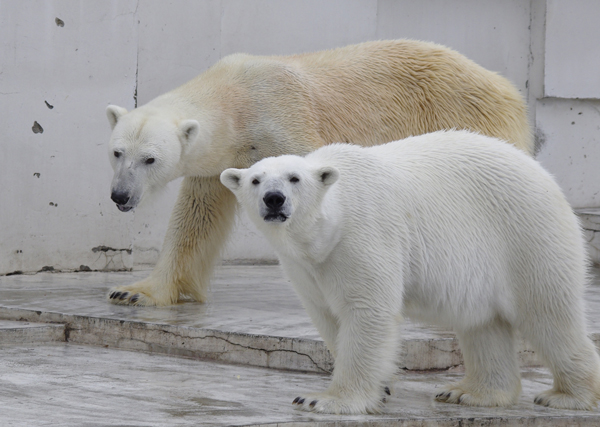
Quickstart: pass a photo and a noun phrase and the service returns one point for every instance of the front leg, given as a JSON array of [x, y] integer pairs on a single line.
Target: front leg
[[313, 301], [367, 346], [198, 229]]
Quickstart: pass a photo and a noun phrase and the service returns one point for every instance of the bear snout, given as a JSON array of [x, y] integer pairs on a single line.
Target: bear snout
[[119, 198], [275, 211], [274, 200]]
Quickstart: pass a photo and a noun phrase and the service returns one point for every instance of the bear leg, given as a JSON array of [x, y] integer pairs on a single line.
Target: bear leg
[[367, 349], [198, 229], [314, 302], [325, 322], [492, 376], [562, 343]]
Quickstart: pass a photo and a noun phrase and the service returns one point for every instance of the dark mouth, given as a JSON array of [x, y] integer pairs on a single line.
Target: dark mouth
[[124, 208], [275, 217]]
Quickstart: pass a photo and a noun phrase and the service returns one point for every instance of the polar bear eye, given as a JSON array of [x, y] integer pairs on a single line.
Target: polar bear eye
[[117, 154], [255, 181], [294, 179], [150, 161]]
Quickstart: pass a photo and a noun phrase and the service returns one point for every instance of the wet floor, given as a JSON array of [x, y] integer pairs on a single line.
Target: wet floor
[[69, 358]]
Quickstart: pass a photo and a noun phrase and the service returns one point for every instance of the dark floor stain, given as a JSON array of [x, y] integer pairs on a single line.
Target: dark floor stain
[[37, 128], [14, 273], [103, 248]]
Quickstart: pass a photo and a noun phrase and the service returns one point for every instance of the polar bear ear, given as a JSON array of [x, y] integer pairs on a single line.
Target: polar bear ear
[[188, 131], [114, 113], [232, 178], [327, 175]]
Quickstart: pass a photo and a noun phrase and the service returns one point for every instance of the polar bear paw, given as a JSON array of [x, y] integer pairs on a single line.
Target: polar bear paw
[[558, 400], [120, 296], [460, 395], [326, 403], [147, 292]]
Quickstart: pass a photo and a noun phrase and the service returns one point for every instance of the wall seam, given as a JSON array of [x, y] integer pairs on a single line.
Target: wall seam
[[137, 54]]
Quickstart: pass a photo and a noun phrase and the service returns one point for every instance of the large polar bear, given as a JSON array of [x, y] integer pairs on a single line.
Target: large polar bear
[[246, 108], [453, 228]]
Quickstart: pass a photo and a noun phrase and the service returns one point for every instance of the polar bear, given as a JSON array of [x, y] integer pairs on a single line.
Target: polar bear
[[245, 108], [453, 228]]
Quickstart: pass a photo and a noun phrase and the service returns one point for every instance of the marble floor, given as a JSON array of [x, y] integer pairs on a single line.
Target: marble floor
[[69, 358]]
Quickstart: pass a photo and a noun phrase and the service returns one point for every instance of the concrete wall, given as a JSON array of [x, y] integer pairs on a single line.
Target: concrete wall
[[63, 61]]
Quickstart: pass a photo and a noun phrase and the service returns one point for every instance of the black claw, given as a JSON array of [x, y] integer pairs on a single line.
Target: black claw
[[537, 400], [117, 295], [460, 399], [134, 298], [439, 394], [313, 403], [296, 399], [112, 294], [124, 295], [301, 401], [387, 391]]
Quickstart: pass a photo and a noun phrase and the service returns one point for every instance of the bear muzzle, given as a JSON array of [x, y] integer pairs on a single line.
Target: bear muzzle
[[274, 202], [121, 200]]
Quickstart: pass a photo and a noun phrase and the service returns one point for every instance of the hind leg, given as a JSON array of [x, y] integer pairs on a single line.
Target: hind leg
[[492, 375], [562, 343]]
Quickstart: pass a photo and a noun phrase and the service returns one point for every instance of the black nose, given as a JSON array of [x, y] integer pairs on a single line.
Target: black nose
[[119, 198], [274, 199]]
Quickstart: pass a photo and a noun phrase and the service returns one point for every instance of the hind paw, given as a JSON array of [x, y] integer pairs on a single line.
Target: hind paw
[[558, 400]]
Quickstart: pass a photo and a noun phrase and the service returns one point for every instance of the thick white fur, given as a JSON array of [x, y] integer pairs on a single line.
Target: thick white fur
[[246, 108], [453, 228]]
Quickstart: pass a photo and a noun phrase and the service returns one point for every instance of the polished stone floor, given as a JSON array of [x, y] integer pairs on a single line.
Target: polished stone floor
[[69, 358]]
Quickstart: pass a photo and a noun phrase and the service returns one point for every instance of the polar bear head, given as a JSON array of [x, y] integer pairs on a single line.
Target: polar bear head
[[146, 151], [281, 189]]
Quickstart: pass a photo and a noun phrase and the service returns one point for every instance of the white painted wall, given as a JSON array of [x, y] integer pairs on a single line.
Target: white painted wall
[[54, 205], [572, 47], [115, 51]]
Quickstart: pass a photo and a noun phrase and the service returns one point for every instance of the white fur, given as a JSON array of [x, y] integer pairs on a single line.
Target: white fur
[[245, 108], [141, 135], [452, 228]]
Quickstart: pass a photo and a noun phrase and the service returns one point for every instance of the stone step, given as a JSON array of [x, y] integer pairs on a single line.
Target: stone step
[[590, 222], [69, 385], [253, 318], [21, 332]]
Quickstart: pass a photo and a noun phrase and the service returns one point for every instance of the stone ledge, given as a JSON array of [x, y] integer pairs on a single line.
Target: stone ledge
[[254, 319], [295, 354], [19, 332], [590, 222], [198, 343], [590, 218]]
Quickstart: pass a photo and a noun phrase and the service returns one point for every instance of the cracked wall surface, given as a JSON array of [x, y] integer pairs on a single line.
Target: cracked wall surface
[[63, 62]]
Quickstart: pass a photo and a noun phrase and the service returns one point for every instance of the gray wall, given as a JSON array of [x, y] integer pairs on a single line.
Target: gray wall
[[55, 209]]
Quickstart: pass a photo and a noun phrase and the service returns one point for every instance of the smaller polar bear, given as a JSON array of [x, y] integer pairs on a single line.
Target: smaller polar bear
[[454, 228]]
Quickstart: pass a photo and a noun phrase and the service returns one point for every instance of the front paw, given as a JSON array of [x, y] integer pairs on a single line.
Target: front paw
[[461, 394], [326, 403], [147, 292], [121, 296]]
